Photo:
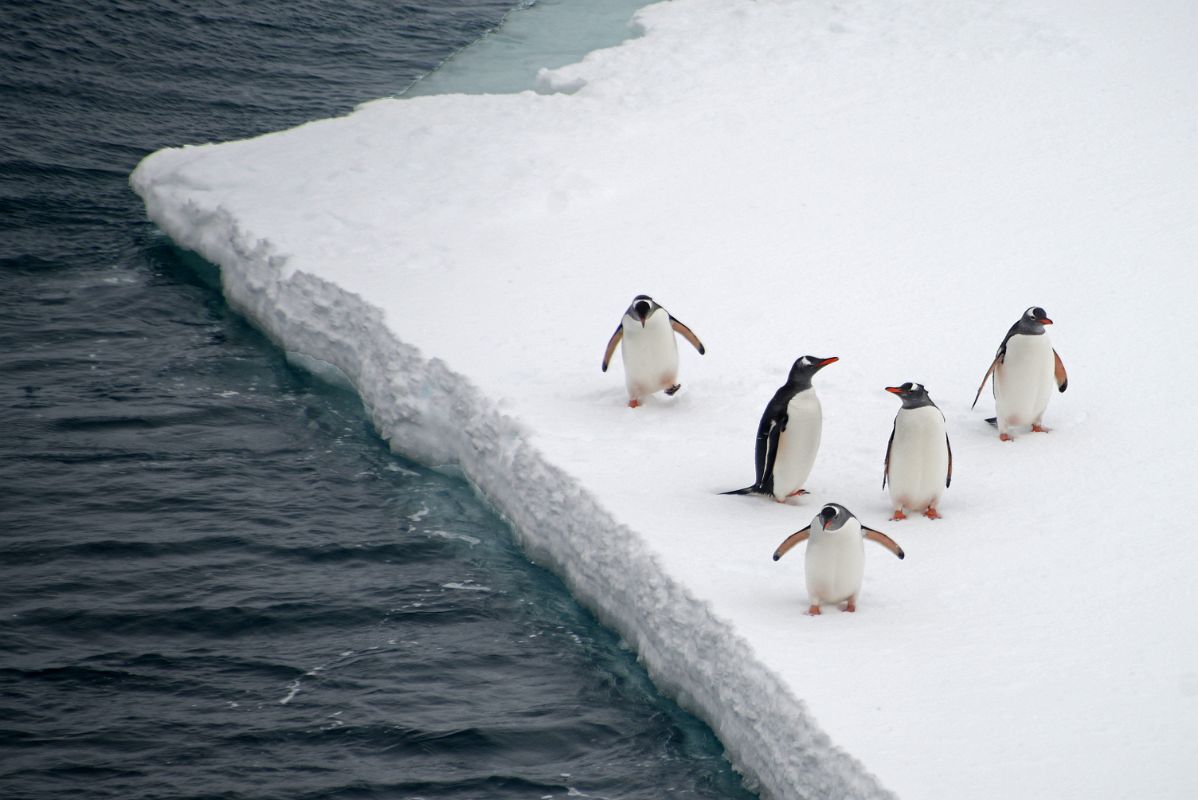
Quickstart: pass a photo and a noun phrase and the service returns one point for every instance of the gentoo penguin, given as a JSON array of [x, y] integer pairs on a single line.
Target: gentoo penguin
[[789, 432], [646, 335], [919, 458], [1025, 370], [835, 556]]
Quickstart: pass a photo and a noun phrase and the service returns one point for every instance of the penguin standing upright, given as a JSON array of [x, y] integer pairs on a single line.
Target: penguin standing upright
[[835, 563], [1025, 371], [919, 458], [646, 335], [789, 433]]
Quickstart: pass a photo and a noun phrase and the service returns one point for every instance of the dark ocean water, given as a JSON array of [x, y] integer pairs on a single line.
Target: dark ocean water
[[215, 580]]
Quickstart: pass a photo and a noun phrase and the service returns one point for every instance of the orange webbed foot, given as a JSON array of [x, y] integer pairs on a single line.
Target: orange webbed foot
[[634, 403], [814, 611], [898, 515], [1040, 429], [932, 513], [1006, 437], [850, 606]]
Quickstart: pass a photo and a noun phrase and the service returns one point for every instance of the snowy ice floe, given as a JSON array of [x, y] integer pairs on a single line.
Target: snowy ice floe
[[888, 182]]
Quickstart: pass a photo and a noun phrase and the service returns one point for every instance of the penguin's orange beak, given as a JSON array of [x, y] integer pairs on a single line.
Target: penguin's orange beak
[[1045, 321], [894, 389], [828, 361]]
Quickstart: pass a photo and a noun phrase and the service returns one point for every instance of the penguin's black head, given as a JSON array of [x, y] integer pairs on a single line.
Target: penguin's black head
[[832, 516], [642, 306], [806, 366], [913, 395], [1037, 317]]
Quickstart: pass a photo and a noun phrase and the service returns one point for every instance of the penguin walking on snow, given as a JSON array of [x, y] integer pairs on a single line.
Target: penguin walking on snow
[[919, 458], [1026, 370], [789, 433], [646, 335], [835, 563]]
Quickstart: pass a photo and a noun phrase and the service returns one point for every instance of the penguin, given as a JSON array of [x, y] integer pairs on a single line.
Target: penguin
[[788, 434], [835, 556], [919, 457], [1025, 371], [646, 335]]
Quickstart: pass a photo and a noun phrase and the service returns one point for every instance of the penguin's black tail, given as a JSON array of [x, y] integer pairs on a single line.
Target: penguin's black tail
[[754, 489], [993, 421]]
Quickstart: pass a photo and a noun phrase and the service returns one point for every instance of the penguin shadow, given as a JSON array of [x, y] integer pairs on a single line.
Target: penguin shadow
[[984, 431], [803, 500], [616, 402]]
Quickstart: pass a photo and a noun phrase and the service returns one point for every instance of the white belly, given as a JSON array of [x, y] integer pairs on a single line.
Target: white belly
[[1024, 382], [798, 444], [835, 564], [650, 355], [918, 458]]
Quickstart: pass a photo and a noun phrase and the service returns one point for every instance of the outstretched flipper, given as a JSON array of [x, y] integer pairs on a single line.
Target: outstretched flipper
[[882, 539], [1059, 371], [792, 540], [688, 334], [611, 345], [985, 378]]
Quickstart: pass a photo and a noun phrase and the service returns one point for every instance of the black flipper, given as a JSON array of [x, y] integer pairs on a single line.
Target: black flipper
[[765, 473], [993, 421], [766, 452], [949, 478], [890, 444]]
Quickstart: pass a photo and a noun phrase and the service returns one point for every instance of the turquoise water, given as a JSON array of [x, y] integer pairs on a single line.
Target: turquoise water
[[549, 34]]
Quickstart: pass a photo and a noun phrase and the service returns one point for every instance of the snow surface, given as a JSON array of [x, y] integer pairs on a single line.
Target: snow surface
[[889, 182]]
